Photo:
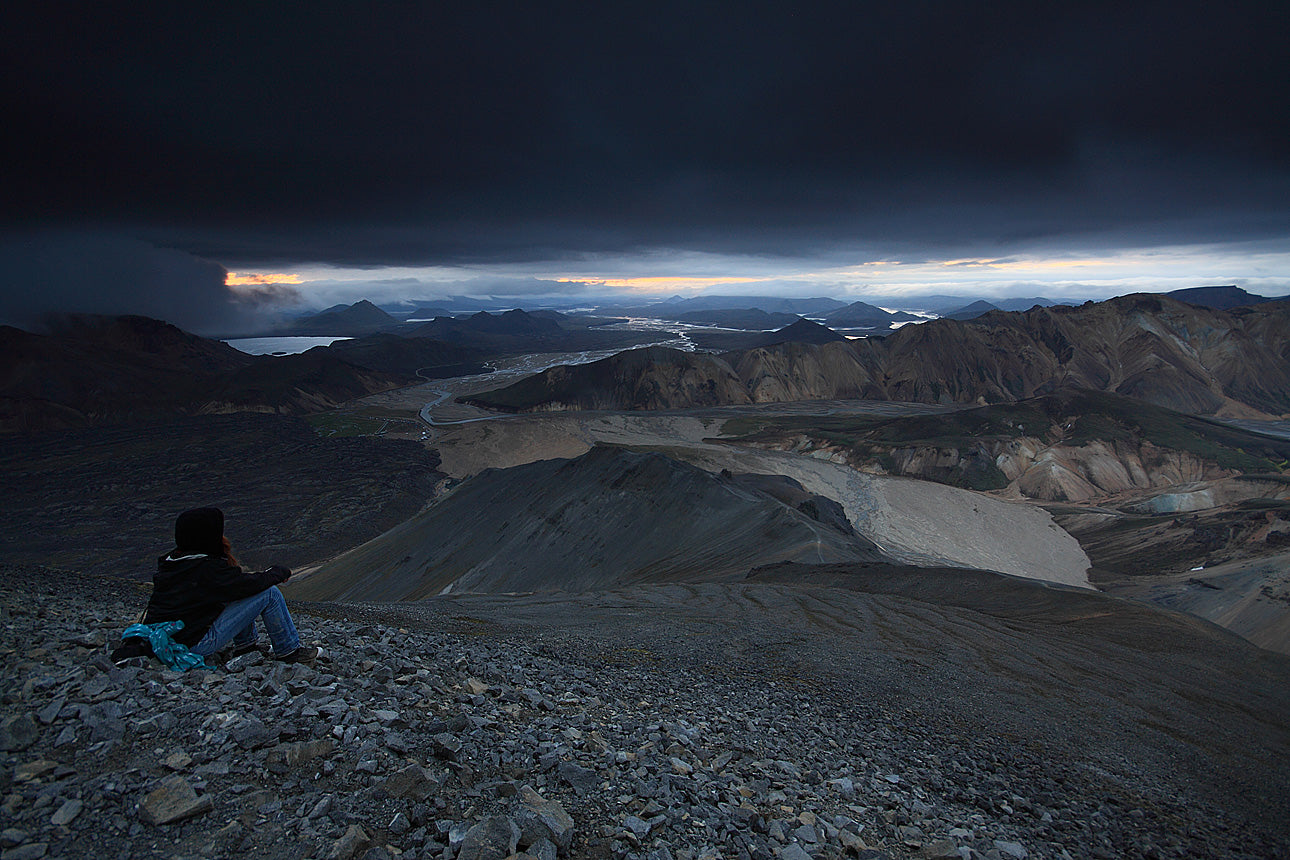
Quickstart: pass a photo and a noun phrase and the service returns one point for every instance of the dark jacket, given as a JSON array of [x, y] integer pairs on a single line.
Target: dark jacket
[[195, 589]]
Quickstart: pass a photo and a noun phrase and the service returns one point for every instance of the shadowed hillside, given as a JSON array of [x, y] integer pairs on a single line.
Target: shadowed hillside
[[606, 519], [651, 378], [104, 499], [424, 357], [95, 370]]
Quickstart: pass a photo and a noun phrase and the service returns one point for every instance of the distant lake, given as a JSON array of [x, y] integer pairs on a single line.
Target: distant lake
[[279, 345]]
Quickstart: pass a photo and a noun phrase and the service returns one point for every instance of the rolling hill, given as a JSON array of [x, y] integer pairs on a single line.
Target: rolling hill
[[94, 370], [604, 520]]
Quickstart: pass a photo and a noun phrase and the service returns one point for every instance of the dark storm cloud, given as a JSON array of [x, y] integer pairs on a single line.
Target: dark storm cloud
[[107, 274], [409, 133]]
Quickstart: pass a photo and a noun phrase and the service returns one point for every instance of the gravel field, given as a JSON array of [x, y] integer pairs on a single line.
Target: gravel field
[[770, 719]]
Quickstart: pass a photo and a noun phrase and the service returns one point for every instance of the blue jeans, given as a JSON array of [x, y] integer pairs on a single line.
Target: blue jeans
[[236, 624]]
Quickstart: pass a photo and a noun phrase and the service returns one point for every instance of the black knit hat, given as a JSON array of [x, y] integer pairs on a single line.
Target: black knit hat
[[200, 530]]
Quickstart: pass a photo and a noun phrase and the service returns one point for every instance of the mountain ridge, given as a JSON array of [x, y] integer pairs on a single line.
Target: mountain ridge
[[1191, 359]]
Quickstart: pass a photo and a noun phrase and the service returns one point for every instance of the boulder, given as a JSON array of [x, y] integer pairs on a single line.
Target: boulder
[[18, 732], [493, 838], [352, 844], [539, 818]]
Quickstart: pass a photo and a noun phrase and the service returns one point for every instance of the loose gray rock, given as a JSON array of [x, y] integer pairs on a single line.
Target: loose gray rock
[[242, 662], [539, 818], [354, 842], [544, 849], [413, 782], [1011, 849], [771, 767], [639, 828], [227, 840], [50, 712], [941, 849], [11, 837], [285, 757], [67, 813], [493, 838], [793, 851], [18, 732], [446, 746], [173, 800], [254, 734], [583, 780]]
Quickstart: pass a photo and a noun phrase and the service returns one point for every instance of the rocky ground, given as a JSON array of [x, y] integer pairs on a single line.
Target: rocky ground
[[456, 735]]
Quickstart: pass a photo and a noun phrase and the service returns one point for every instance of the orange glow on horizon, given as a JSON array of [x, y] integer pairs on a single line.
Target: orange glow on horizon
[[657, 284], [233, 279]]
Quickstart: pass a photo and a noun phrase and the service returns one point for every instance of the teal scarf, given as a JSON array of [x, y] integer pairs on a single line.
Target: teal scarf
[[167, 650]]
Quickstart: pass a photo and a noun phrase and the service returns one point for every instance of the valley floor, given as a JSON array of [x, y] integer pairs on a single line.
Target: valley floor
[[1259, 610]]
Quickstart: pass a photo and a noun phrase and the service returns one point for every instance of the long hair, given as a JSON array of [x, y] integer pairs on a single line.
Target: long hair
[[228, 551]]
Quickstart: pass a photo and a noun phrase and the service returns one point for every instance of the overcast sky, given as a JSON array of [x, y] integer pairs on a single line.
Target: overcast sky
[[327, 152]]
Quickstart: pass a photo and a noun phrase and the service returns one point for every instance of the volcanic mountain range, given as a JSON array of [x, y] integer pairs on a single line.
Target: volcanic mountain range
[[748, 539], [1153, 348], [88, 369]]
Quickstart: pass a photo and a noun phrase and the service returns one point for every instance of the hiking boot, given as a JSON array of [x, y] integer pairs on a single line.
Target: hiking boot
[[303, 654]]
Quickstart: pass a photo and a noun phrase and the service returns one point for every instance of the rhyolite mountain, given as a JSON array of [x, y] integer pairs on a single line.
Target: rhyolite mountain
[[91, 370], [787, 372], [1073, 445], [1233, 363], [1149, 347], [651, 378]]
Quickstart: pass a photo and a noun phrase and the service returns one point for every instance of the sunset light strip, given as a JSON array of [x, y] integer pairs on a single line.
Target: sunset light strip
[[233, 279]]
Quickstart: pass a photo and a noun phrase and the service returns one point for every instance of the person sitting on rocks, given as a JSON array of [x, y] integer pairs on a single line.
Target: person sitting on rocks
[[200, 583]]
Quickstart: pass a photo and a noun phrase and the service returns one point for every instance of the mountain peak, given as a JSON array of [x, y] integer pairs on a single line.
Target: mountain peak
[[804, 331]]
